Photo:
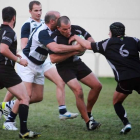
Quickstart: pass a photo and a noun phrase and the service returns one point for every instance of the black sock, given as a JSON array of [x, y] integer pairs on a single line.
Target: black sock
[[89, 114], [23, 115], [62, 109], [121, 113], [11, 117]]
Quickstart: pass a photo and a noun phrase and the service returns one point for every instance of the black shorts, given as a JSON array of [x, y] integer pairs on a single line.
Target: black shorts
[[127, 86], [73, 70], [8, 77]]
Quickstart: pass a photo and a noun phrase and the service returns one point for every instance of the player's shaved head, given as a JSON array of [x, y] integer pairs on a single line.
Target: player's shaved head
[[63, 19], [51, 15]]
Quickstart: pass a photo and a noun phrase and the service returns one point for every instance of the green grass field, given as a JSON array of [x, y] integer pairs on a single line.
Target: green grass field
[[43, 116]]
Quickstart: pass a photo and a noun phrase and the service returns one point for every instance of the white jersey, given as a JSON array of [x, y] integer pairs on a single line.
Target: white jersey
[[29, 26]]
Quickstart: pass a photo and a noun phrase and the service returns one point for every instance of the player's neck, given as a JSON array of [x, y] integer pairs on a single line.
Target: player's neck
[[37, 20], [8, 23], [49, 25]]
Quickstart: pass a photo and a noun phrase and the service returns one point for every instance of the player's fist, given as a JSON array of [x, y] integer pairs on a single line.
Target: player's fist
[[23, 62]]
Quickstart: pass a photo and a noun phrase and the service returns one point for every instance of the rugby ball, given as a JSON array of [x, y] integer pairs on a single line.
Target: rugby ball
[[75, 42]]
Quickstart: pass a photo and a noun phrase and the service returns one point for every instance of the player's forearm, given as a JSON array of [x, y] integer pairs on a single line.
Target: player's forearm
[[66, 48], [60, 48], [91, 39], [56, 58], [82, 42], [4, 50]]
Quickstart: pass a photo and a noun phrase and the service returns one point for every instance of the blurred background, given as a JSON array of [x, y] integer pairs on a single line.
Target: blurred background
[[93, 15]]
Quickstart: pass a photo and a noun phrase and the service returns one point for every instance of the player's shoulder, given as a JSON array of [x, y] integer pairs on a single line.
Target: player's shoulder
[[29, 20], [7, 30], [76, 27], [55, 33], [132, 38], [41, 30], [27, 23]]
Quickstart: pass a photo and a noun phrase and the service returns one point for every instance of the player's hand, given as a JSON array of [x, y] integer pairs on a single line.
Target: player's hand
[[72, 38], [18, 55], [23, 62], [80, 48]]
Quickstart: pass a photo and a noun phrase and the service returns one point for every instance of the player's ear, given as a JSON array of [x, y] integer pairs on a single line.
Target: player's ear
[[30, 11], [52, 21]]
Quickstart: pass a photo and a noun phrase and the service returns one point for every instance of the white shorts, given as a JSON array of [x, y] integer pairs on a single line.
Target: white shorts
[[47, 64], [32, 73]]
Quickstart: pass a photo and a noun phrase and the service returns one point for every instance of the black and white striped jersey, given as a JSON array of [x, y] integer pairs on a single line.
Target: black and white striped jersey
[[36, 50], [122, 54]]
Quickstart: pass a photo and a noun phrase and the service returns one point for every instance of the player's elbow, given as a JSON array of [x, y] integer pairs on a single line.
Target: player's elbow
[[53, 61], [2, 51]]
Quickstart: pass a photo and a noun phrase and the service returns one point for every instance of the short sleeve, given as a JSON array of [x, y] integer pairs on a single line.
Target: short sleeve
[[84, 33], [25, 30], [8, 38], [100, 47], [44, 37]]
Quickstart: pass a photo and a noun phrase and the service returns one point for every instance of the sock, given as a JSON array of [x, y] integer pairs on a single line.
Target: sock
[[121, 113], [62, 109], [11, 117], [23, 115], [89, 114], [10, 104]]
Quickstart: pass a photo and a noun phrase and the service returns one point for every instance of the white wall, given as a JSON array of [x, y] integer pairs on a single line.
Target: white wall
[[93, 15]]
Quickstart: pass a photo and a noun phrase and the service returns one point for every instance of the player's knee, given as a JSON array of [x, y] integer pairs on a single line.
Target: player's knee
[[79, 92], [39, 98], [116, 101], [26, 99], [60, 85], [99, 86]]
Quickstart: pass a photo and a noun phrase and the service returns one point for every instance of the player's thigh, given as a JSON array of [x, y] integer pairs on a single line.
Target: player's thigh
[[47, 65], [19, 91], [29, 87], [37, 91], [91, 81], [53, 75]]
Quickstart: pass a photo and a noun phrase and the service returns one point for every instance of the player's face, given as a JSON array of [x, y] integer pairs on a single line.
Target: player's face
[[36, 12], [65, 30], [110, 34]]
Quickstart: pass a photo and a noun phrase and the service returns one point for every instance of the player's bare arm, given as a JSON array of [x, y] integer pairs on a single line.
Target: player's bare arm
[[4, 49], [91, 39], [24, 42], [56, 58], [85, 43], [60, 48]]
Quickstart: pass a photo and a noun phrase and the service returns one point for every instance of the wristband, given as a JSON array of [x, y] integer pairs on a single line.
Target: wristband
[[18, 60]]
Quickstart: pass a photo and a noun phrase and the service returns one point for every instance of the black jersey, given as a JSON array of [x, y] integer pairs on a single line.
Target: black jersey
[[122, 54], [8, 37], [60, 39]]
